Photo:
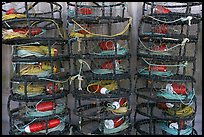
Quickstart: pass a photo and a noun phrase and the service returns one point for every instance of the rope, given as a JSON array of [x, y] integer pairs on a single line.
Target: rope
[[189, 18], [171, 65], [167, 49], [101, 35], [158, 73], [175, 96], [108, 84], [174, 131], [32, 90]]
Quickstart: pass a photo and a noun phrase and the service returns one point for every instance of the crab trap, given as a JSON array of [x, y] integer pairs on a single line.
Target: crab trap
[[24, 22], [91, 10], [103, 116], [162, 69], [39, 68], [166, 64], [160, 127], [97, 26], [162, 109], [96, 47], [171, 8], [39, 116]]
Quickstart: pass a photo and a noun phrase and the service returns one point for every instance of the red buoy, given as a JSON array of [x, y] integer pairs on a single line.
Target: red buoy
[[160, 9], [161, 48], [38, 126], [110, 124], [109, 64], [85, 11], [11, 11], [50, 87], [45, 106], [178, 88], [157, 68], [162, 29], [119, 103], [98, 88], [106, 45], [34, 31]]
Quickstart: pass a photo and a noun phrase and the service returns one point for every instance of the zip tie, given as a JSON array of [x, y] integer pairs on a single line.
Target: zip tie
[[189, 18], [79, 44], [184, 41], [82, 61], [80, 79]]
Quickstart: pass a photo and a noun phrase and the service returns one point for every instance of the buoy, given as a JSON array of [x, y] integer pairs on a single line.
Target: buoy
[[84, 11], [162, 29], [110, 124], [160, 9], [34, 31], [106, 45], [100, 89], [109, 64], [157, 68], [161, 48], [50, 87], [11, 11], [45, 106], [118, 104], [178, 88], [38, 126]]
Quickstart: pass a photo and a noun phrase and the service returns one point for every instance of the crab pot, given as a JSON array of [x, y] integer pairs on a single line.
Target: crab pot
[[160, 127], [158, 46], [154, 89], [106, 68], [166, 69], [100, 46], [170, 29], [33, 9], [91, 112], [23, 22], [86, 28], [27, 113], [102, 88], [180, 8], [96, 9], [42, 59], [97, 127], [56, 127], [165, 109], [34, 89]]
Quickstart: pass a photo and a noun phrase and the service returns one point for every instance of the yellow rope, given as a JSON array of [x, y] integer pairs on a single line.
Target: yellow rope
[[39, 49], [108, 84], [11, 16], [122, 32], [32, 69], [37, 88]]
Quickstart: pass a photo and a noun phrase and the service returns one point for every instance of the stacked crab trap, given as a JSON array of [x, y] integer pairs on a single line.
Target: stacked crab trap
[[165, 83], [38, 91], [99, 50]]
